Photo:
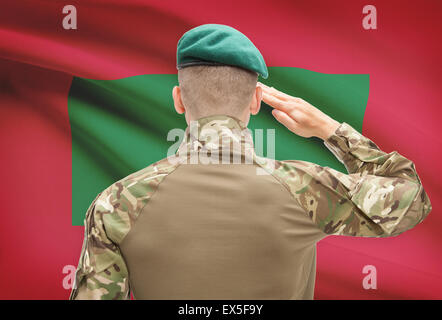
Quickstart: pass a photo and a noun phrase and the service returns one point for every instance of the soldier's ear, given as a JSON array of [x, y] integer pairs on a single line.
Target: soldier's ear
[[255, 105], [177, 102]]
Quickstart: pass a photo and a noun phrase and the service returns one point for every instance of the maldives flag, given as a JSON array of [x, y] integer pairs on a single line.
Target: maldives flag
[[82, 108]]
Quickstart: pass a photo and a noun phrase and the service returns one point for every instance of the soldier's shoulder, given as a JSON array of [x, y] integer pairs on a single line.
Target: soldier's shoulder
[[120, 204], [273, 166], [298, 174], [139, 184], [288, 168], [301, 176], [285, 170], [143, 177], [157, 169]]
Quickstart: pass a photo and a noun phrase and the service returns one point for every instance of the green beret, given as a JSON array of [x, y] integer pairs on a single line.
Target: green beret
[[216, 44]]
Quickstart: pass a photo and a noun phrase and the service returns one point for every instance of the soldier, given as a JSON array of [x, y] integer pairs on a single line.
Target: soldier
[[203, 229]]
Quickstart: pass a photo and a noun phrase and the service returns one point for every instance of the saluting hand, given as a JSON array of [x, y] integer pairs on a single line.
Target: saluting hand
[[298, 115]]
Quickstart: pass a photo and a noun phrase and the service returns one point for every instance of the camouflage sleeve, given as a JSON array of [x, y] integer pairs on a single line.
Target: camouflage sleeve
[[102, 273], [381, 196]]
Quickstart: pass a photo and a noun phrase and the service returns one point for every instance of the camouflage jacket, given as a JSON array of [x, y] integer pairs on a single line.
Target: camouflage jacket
[[381, 196]]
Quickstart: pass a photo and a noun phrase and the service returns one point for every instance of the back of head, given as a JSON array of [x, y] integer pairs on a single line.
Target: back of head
[[213, 90]]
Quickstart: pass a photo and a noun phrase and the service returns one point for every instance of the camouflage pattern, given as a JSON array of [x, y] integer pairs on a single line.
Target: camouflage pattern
[[380, 196], [209, 138], [102, 272]]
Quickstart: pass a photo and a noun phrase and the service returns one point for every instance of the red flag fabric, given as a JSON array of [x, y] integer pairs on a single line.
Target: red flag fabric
[[118, 39]]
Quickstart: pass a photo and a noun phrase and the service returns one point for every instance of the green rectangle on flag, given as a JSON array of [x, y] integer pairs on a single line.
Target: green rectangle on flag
[[121, 126]]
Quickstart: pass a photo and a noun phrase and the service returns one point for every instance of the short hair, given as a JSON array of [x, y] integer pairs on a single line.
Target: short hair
[[213, 90]]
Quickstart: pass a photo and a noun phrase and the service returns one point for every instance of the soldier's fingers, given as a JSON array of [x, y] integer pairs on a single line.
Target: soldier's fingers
[[275, 92], [285, 119], [282, 95], [262, 85], [275, 102]]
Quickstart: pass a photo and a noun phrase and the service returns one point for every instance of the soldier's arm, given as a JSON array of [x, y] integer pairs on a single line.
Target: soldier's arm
[[381, 196], [102, 273]]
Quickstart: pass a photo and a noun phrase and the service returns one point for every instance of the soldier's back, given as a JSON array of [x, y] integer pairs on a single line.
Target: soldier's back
[[221, 231]]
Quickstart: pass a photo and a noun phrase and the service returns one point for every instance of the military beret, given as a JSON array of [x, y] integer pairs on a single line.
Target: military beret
[[216, 44]]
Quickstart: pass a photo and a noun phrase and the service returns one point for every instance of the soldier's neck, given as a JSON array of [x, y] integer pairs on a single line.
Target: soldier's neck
[[244, 118]]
